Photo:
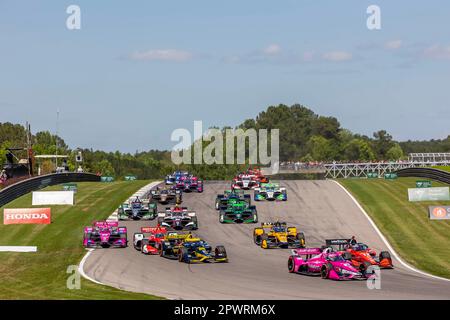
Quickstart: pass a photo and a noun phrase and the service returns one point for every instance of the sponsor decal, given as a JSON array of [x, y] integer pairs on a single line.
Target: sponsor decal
[[27, 216], [439, 212]]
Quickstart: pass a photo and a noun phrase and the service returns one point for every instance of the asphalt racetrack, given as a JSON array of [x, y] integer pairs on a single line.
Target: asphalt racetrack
[[321, 209]]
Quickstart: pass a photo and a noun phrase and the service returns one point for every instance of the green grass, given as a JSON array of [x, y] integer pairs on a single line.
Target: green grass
[[43, 275], [420, 241], [444, 168]]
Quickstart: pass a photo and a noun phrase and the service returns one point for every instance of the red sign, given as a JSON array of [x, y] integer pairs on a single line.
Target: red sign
[[27, 216]]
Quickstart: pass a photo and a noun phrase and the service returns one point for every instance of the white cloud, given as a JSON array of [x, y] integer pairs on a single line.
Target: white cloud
[[393, 44], [337, 56], [437, 52], [272, 49], [162, 55]]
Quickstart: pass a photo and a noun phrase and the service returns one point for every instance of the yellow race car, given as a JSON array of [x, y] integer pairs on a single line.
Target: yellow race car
[[278, 235]]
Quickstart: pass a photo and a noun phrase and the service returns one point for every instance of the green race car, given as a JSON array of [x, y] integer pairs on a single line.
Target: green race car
[[238, 211], [223, 199]]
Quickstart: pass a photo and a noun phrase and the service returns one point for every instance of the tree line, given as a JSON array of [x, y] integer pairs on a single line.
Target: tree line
[[304, 136]]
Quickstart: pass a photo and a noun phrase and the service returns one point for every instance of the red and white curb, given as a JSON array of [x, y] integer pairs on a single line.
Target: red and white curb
[[113, 217], [388, 245]]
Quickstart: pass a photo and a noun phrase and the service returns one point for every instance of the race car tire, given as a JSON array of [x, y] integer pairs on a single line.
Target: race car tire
[[221, 252], [183, 255], [301, 238], [364, 267], [291, 264], [162, 250], [385, 255], [256, 238], [255, 217], [160, 220], [221, 217], [264, 241], [347, 256], [217, 206], [325, 270], [143, 243], [195, 221]]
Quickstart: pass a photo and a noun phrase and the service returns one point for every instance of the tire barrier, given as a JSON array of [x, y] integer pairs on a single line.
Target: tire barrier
[[21, 188], [429, 173]]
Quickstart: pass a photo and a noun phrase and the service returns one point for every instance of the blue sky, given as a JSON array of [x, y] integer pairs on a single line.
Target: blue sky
[[138, 70]]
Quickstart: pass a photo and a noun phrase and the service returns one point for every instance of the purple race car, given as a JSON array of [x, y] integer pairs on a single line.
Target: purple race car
[[189, 184], [324, 262], [105, 234]]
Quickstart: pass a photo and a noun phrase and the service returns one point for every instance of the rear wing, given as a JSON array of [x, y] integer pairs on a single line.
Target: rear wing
[[340, 243], [106, 223], [271, 224], [153, 230], [307, 251]]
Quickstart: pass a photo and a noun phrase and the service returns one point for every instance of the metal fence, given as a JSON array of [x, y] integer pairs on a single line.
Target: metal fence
[[19, 189]]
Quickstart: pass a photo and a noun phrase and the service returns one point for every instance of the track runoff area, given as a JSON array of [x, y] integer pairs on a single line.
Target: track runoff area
[[320, 209]]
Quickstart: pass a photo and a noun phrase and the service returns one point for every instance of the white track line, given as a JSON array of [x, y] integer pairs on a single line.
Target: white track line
[[141, 192], [385, 240], [17, 249]]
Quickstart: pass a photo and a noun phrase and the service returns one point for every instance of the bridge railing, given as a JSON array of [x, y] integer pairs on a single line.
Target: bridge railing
[[21, 188], [349, 170]]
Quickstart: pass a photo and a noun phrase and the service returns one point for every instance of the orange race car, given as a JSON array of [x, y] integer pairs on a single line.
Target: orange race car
[[360, 254]]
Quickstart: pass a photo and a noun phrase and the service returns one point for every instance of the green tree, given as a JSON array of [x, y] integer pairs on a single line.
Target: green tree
[[320, 148], [358, 149], [382, 143], [394, 153]]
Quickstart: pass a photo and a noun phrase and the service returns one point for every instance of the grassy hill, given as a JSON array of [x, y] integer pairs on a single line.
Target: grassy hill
[[420, 241], [43, 275]]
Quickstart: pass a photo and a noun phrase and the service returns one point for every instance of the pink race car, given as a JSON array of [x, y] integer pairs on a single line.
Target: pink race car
[[105, 234], [324, 262]]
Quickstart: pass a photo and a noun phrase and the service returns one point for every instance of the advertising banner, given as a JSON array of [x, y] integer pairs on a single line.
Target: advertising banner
[[390, 176], [130, 178], [423, 184], [107, 179], [27, 216], [53, 198], [372, 175], [70, 187], [429, 194], [439, 212]]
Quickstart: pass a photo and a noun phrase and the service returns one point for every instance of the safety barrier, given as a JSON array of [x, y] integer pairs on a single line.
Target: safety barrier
[[21, 188], [429, 173]]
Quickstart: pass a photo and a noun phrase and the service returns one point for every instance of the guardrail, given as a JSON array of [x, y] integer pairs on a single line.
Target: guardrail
[[429, 173], [19, 189]]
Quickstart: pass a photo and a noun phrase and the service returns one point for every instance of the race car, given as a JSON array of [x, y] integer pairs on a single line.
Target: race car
[[137, 209], [105, 234], [238, 211], [166, 195], [175, 177], [222, 199], [256, 172], [278, 235], [360, 255], [189, 184], [245, 182], [149, 244], [178, 218], [189, 249], [195, 250], [322, 262], [270, 192], [171, 244]]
